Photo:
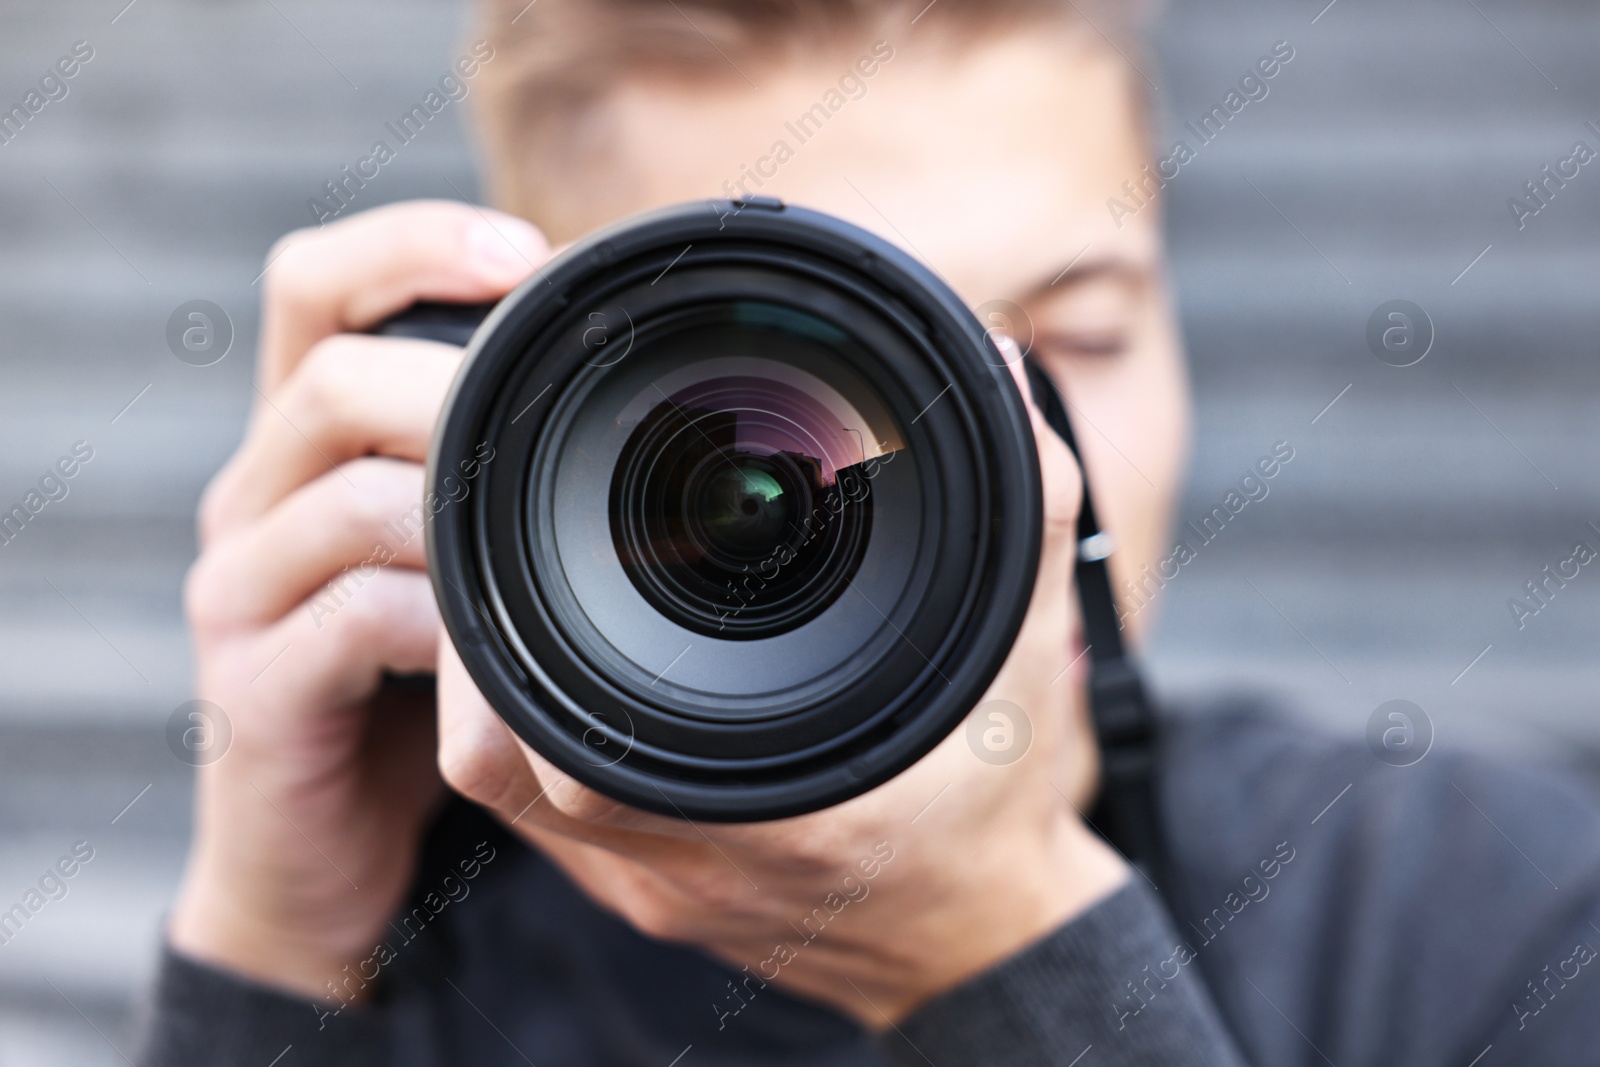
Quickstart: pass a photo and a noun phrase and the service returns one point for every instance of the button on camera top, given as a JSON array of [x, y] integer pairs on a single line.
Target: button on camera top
[[765, 203]]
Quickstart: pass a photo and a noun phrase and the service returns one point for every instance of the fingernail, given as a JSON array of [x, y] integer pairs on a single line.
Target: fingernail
[[506, 248]]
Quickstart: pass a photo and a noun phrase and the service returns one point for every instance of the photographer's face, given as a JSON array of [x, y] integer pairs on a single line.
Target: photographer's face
[[993, 162]]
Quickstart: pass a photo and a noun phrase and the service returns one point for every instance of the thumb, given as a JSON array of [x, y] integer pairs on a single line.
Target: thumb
[[485, 762], [1062, 480]]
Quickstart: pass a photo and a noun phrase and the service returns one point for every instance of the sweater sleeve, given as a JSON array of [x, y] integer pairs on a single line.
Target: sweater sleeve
[[1093, 984], [205, 1017]]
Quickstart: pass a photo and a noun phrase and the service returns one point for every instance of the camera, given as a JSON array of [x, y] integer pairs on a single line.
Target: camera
[[761, 517]]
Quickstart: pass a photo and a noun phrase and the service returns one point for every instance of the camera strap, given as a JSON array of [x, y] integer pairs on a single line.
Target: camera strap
[[1125, 724]]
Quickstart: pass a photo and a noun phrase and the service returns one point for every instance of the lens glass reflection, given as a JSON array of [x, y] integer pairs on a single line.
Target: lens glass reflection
[[734, 509]]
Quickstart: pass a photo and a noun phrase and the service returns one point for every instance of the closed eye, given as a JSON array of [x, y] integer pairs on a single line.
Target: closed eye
[[1100, 345]]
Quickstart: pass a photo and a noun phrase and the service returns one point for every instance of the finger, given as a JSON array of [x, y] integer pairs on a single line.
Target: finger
[[353, 396], [351, 275], [478, 754], [578, 811], [320, 539], [336, 658], [688, 897], [487, 763], [609, 879]]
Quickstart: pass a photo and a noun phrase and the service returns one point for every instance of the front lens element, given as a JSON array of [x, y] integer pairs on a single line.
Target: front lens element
[[738, 509], [741, 510]]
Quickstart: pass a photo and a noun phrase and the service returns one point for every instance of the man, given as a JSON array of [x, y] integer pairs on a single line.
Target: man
[[1325, 907]]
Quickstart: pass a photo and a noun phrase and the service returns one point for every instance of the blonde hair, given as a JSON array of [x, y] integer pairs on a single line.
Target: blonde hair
[[556, 60]]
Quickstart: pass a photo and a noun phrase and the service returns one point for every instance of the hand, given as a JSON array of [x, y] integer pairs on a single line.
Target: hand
[[307, 829], [877, 904]]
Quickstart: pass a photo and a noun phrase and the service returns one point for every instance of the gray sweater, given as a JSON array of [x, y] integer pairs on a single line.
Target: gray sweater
[[1325, 909]]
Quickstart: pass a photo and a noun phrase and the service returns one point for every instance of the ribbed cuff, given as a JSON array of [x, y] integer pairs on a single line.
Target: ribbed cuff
[[1109, 980], [205, 1017]]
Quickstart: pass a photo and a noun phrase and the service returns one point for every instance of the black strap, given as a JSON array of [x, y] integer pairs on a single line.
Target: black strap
[[1125, 724]]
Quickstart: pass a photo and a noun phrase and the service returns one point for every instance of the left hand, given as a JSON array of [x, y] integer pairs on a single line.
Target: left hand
[[877, 904]]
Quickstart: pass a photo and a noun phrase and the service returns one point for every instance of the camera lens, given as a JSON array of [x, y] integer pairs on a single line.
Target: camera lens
[[734, 511]]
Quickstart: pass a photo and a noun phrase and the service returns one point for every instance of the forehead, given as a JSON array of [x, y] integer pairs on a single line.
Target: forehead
[[993, 162]]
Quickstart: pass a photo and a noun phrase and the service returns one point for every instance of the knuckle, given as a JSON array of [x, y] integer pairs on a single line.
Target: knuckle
[[719, 891], [415, 232], [347, 624], [372, 615], [205, 598], [286, 285], [582, 804], [324, 382], [814, 853], [437, 223], [373, 491], [1063, 499], [1060, 524], [364, 618], [480, 773], [418, 219], [657, 918], [215, 511]]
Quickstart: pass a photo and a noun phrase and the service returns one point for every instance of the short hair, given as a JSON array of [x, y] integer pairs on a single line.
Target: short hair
[[556, 60]]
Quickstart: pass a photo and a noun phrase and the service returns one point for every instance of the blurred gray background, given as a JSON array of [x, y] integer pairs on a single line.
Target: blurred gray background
[[1379, 567]]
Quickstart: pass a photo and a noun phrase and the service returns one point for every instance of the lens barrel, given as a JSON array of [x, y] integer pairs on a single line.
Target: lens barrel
[[734, 511]]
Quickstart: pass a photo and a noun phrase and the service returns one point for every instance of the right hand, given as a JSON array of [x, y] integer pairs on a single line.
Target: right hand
[[307, 829]]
